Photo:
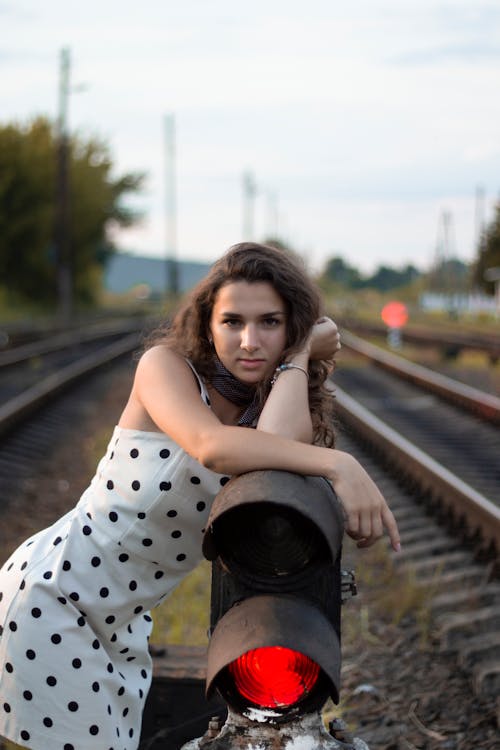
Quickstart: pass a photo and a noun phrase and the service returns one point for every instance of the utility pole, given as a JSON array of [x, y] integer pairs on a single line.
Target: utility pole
[[62, 224], [171, 208], [249, 191]]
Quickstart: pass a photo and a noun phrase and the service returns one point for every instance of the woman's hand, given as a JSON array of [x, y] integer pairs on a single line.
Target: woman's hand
[[324, 339], [366, 512]]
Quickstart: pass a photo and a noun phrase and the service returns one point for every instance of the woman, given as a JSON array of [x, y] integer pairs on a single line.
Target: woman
[[248, 349]]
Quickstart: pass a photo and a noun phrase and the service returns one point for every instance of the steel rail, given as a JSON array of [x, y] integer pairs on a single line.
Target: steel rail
[[20, 407], [482, 517], [62, 340], [482, 404]]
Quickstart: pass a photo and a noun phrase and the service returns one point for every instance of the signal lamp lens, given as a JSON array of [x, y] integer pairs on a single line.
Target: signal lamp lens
[[274, 677]]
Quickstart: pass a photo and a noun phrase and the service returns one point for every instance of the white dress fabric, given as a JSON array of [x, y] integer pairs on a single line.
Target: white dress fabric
[[75, 598]]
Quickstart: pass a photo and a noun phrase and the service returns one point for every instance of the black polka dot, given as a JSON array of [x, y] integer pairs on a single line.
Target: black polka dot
[[195, 480], [96, 687], [57, 541], [164, 453], [110, 668], [136, 485], [27, 695], [109, 710], [25, 735], [159, 574], [74, 596], [113, 638], [125, 711], [22, 584], [141, 515], [148, 618], [30, 654], [147, 542], [144, 674], [110, 484], [68, 746], [121, 691], [13, 626], [141, 693], [180, 557], [23, 567], [132, 585], [110, 619], [123, 557], [134, 453], [9, 667], [73, 706], [61, 599], [130, 733], [176, 534], [113, 516], [47, 721], [104, 592], [201, 506], [47, 575], [66, 565], [6, 708], [81, 621], [165, 486], [171, 513], [94, 729], [76, 663], [138, 609], [55, 638], [224, 481], [51, 681], [96, 561], [87, 530], [96, 644]]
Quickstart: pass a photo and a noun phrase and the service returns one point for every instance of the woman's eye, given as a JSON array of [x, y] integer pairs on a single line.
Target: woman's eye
[[231, 322], [272, 322]]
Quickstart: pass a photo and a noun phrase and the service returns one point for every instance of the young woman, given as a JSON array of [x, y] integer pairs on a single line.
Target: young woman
[[248, 349]]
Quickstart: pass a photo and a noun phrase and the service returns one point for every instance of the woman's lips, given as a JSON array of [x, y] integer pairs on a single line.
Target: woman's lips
[[251, 364]]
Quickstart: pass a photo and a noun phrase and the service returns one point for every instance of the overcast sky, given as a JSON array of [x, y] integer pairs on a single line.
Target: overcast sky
[[364, 123]]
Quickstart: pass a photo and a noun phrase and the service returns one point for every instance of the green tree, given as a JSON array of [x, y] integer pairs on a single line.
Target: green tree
[[488, 254], [28, 263], [337, 271]]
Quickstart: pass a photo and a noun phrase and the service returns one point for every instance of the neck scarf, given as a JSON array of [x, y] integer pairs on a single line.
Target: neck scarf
[[237, 392]]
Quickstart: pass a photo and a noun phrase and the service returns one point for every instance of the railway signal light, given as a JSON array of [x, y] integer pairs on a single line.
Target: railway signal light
[[275, 541]]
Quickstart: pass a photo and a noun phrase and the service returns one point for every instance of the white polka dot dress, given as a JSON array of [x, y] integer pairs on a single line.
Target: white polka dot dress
[[75, 598]]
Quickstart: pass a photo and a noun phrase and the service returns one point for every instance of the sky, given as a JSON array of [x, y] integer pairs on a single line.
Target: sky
[[369, 129]]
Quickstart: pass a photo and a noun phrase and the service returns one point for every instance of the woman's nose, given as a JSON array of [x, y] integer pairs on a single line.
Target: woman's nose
[[249, 338]]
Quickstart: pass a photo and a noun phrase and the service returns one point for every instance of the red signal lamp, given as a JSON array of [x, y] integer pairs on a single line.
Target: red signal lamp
[[274, 677]]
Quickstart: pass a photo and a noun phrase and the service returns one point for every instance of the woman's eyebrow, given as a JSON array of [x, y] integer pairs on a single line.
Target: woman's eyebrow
[[230, 314]]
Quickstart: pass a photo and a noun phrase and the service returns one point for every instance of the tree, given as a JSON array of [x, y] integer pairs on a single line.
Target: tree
[[488, 254], [28, 263], [337, 271]]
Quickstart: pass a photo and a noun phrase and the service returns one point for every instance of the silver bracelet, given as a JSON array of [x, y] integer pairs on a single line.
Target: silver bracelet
[[287, 366]]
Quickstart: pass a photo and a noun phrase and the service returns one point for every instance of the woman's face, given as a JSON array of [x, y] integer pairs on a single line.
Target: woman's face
[[248, 326]]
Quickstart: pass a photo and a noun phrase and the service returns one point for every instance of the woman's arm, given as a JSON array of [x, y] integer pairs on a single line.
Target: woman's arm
[[286, 411], [166, 390]]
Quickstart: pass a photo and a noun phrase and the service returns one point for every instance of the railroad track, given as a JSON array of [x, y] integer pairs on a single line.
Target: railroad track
[[451, 532], [448, 496]]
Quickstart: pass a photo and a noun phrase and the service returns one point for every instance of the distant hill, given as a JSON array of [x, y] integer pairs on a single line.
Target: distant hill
[[125, 271]]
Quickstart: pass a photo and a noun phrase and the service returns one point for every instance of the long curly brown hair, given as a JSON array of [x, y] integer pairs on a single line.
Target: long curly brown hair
[[187, 333]]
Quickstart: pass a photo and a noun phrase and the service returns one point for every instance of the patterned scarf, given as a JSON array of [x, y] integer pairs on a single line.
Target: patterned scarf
[[237, 392]]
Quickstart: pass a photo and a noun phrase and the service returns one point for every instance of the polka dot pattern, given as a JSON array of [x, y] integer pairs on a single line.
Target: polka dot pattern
[[77, 631]]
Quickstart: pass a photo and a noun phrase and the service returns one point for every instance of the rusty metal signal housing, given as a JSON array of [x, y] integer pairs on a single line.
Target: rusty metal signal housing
[[275, 541]]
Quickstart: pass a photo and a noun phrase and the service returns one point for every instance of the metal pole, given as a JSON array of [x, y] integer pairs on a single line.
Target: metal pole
[[249, 190], [62, 233], [171, 208]]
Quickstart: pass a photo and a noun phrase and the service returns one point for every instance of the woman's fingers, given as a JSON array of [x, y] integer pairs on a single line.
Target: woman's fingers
[[367, 527]]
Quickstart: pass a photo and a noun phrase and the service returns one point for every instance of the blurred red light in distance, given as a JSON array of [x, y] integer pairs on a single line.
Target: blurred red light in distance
[[274, 676]]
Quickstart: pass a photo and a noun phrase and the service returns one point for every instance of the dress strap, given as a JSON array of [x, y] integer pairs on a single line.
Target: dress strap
[[201, 384]]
